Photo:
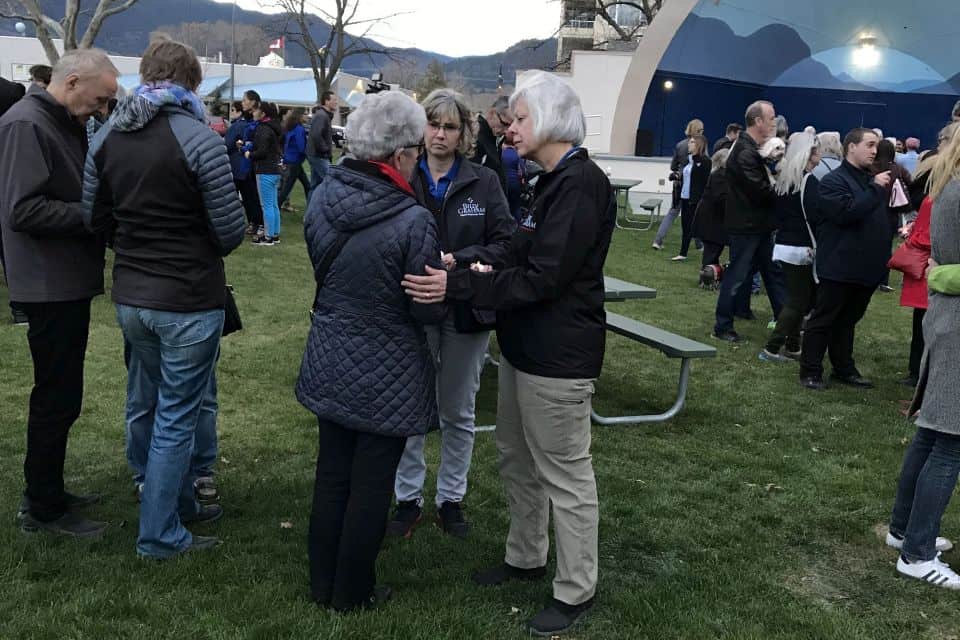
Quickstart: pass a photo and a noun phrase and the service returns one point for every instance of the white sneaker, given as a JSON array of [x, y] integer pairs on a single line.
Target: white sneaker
[[933, 571], [678, 258], [942, 544], [657, 246]]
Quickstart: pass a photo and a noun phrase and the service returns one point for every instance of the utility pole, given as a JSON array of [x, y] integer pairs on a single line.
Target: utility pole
[[233, 48]]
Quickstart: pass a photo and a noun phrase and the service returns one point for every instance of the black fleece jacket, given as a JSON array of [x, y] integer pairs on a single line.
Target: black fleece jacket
[[266, 148], [549, 297]]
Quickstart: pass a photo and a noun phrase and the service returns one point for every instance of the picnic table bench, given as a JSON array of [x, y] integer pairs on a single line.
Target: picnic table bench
[[652, 207], [671, 345]]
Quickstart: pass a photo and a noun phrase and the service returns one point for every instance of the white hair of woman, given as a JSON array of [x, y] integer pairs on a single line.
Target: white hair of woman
[[383, 124], [719, 160], [830, 144], [554, 107], [794, 163]]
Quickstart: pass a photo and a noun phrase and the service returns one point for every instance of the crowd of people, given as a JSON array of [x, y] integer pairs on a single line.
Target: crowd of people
[[816, 217], [425, 237]]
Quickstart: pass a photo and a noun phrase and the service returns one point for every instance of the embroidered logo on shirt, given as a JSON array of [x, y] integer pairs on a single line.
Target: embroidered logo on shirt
[[471, 208]]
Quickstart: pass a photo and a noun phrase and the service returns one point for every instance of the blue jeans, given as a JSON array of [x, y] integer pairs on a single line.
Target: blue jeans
[[747, 251], [172, 358], [139, 430], [318, 170], [268, 183], [927, 479]]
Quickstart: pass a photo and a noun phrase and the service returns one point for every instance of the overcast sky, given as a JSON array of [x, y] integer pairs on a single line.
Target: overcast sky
[[452, 27]]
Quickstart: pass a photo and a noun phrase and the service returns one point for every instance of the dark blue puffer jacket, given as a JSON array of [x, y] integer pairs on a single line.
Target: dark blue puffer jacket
[[367, 366]]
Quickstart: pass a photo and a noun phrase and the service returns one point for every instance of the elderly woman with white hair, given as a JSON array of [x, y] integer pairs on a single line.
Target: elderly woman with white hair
[[550, 327], [367, 373], [831, 153]]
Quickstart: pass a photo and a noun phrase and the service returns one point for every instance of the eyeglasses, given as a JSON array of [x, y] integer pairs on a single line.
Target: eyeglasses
[[504, 123], [448, 127], [420, 147]]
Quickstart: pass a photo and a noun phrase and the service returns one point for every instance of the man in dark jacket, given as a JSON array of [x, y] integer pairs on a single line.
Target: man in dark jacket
[[320, 139], [54, 268], [853, 245], [733, 132], [243, 178], [749, 221], [490, 130]]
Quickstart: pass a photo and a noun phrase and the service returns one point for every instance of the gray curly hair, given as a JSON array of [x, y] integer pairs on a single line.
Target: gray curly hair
[[382, 124]]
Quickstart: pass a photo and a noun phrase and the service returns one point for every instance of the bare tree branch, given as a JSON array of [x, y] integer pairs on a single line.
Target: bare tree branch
[[327, 58], [105, 9]]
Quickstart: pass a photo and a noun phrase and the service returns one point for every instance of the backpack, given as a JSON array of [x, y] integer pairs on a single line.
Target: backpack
[[711, 276]]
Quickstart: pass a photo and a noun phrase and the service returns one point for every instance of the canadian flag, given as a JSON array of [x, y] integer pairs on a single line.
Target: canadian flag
[[277, 44]]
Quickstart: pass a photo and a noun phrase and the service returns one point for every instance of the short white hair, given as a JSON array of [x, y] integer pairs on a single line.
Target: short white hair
[[830, 143], [554, 107], [383, 123], [84, 63]]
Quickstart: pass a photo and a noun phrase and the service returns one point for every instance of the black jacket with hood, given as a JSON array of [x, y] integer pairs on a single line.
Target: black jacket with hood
[[475, 226], [549, 296], [175, 210], [266, 148]]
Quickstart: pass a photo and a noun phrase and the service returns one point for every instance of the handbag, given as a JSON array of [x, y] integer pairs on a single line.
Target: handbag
[[909, 259], [898, 195], [231, 314], [813, 239]]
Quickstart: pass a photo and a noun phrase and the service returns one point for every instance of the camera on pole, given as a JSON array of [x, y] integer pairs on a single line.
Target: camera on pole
[[377, 84]]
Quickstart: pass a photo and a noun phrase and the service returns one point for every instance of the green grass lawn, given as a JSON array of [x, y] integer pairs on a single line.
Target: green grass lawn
[[754, 514]]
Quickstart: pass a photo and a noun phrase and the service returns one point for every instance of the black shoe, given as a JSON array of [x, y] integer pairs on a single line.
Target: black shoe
[[20, 318], [69, 524], [405, 518], [381, 594], [450, 519], [909, 381], [203, 543], [557, 618], [854, 380], [73, 502], [728, 336], [885, 288], [813, 383], [504, 573], [207, 513]]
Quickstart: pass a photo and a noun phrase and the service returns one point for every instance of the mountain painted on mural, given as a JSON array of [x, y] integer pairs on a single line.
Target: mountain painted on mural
[[774, 55]]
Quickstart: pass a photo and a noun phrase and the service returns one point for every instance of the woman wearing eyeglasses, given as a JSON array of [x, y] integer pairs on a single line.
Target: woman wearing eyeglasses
[[475, 224], [367, 373]]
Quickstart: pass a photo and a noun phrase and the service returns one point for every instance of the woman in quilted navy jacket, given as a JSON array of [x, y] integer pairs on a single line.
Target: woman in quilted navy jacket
[[367, 373]]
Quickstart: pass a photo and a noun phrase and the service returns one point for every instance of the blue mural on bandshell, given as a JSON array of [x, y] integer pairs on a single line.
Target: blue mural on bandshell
[[717, 69]]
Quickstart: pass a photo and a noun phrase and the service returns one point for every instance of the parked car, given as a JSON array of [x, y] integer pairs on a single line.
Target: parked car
[[338, 136]]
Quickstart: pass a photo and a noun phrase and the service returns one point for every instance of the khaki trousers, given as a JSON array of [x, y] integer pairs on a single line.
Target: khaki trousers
[[543, 440]]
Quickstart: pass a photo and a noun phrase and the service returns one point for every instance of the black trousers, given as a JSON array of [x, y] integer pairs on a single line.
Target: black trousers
[[251, 200], [711, 253], [351, 499], [687, 211], [291, 174], [801, 296], [916, 342], [838, 309], [58, 343]]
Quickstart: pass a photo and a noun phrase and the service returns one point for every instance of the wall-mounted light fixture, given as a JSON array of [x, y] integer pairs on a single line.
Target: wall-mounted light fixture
[[866, 55]]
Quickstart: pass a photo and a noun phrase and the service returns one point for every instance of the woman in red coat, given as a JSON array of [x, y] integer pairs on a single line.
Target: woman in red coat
[[914, 293]]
